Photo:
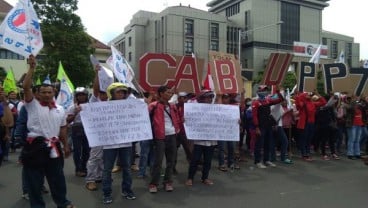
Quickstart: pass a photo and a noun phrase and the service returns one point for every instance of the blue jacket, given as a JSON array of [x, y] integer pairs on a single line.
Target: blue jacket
[[21, 124]]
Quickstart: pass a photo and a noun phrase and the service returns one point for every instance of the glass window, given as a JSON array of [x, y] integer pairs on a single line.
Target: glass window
[[130, 57], [290, 29], [188, 27], [188, 45], [334, 49], [214, 31], [214, 45]]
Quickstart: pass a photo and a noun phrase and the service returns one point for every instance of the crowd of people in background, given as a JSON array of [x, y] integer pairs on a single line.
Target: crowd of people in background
[[271, 124]]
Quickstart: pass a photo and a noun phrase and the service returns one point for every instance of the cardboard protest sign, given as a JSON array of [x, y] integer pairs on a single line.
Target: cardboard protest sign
[[181, 72], [211, 121], [225, 71], [307, 77], [338, 78], [116, 122], [276, 68]]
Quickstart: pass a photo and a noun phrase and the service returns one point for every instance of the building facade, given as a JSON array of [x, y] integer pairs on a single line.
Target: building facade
[[256, 28]]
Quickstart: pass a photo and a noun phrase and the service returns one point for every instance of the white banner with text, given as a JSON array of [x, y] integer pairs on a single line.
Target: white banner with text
[[211, 121], [116, 122]]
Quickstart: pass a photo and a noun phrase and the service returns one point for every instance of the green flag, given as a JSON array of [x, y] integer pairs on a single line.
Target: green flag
[[10, 83], [61, 74], [38, 82]]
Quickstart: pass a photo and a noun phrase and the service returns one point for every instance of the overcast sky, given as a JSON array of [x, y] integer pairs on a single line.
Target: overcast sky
[[106, 19]]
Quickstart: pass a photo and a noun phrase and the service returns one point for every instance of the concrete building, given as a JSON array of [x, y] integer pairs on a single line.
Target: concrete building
[[265, 26]]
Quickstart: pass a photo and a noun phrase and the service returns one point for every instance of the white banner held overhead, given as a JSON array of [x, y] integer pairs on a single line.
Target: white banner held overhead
[[116, 122], [211, 121]]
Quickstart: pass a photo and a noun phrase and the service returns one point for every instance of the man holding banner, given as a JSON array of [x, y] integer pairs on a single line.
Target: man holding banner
[[117, 91]]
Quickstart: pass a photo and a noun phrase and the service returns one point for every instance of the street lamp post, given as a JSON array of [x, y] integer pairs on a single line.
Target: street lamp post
[[243, 33]]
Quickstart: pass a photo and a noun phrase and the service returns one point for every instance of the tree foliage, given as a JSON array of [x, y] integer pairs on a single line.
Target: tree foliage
[[65, 40]]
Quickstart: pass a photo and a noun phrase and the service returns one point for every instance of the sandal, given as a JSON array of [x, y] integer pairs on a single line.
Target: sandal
[[207, 182]]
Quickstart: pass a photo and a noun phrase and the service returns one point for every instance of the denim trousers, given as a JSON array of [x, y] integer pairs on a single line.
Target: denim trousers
[[230, 152], [145, 156], [53, 171], [281, 135], [265, 142], [354, 134], [168, 148], [109, 156], [80, 151], [306, 139], [198, 151]]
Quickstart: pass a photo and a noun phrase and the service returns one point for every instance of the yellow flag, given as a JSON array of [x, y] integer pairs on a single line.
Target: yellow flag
[[10, 83], [62, 75]]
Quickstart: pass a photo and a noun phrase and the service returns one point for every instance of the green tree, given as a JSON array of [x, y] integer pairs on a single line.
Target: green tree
[[65, 40]]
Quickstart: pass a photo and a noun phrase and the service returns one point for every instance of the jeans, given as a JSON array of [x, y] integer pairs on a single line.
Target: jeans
[[354, 134], [163, 147], [230, 152], [306, 139], [264, 142], [55, 178], [109, 156], [198, 151], [80, 150], [280, 134], [146, 156]]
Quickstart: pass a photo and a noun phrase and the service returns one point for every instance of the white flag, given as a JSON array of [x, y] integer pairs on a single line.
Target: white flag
[[105, 78], [341, 58], [316, 55], [20, 31], [65, 97], [121, 68], [365, 64]]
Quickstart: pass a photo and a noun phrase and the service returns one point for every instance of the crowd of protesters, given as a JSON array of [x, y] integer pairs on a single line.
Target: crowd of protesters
[[273, 123]]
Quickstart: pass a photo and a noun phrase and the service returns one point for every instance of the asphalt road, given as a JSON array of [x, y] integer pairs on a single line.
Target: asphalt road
[[317, 184]]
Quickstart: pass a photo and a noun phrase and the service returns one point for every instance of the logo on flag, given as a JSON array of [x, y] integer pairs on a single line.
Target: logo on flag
[[16, 20], [65, 97]]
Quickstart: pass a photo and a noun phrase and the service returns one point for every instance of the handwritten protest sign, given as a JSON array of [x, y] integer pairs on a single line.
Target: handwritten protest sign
[[211, 121], [116, 122]]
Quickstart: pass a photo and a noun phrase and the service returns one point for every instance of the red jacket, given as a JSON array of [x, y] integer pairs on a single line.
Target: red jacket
[[307, 109], [156, 109]]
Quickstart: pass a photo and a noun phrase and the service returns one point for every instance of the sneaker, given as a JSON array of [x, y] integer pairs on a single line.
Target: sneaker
[[25, 196], [169, 187], [269, 163], [107, 200], [287, 161], [189, 182], [129, 196], [141, 176], [351, 157], [307, 158], [91, 186], [260, 165], [223, 168], [45, 190], [134, 167], [80, 174], [116, 169], [325, 157], [152, 188], [207, 182], [335, 156]]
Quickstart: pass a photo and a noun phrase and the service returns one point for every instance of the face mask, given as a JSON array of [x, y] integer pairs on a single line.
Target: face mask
[[262, 95]]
